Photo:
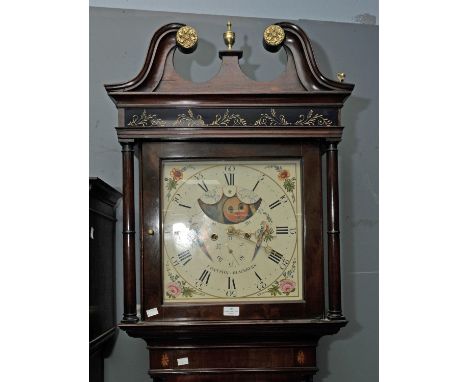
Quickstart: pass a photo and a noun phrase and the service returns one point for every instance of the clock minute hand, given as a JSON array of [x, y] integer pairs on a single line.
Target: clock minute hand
[[259, 242]]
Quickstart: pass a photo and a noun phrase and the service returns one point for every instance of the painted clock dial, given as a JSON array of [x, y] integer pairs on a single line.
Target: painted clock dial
[[232, 231]]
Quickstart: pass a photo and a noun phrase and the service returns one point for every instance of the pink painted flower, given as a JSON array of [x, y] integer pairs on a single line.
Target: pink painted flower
[[283, 174], [174, 289], [287, 286], [176, 174]]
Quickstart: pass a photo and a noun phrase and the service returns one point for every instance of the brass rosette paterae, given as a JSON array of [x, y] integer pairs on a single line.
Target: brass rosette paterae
[[187, 38], [273, 37]]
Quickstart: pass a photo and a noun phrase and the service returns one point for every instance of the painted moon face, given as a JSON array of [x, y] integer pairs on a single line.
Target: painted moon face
[[235, 211], [229, 210]]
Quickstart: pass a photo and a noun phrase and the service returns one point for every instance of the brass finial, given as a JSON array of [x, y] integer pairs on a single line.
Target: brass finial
[[341, 76], [229, 36], [187, 37], [273, 35]]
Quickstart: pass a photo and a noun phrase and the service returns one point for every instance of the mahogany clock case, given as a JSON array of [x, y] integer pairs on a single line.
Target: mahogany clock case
[[338, 46], [193, 141]]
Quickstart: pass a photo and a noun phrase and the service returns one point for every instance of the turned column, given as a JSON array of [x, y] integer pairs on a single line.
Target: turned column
[[128, 233], [333, 225]]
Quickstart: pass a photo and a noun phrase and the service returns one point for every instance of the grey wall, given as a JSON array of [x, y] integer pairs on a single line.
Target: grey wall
[[118, 44], [358, 11]]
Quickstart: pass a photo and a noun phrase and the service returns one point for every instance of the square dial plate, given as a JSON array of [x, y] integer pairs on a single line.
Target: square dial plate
[[232, 231]]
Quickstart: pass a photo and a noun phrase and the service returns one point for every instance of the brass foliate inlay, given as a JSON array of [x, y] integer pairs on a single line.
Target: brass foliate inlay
[[187, 37], [164, 360], [274, 35], [300, 358]]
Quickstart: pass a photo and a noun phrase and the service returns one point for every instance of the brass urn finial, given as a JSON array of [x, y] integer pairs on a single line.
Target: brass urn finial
[[341, 76], [229, 36]]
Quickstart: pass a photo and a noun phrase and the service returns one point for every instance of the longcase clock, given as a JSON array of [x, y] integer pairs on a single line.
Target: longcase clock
[[231, 193]]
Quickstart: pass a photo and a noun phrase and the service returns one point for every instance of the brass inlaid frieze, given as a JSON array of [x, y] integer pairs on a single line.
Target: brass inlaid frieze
[[262, 117]]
